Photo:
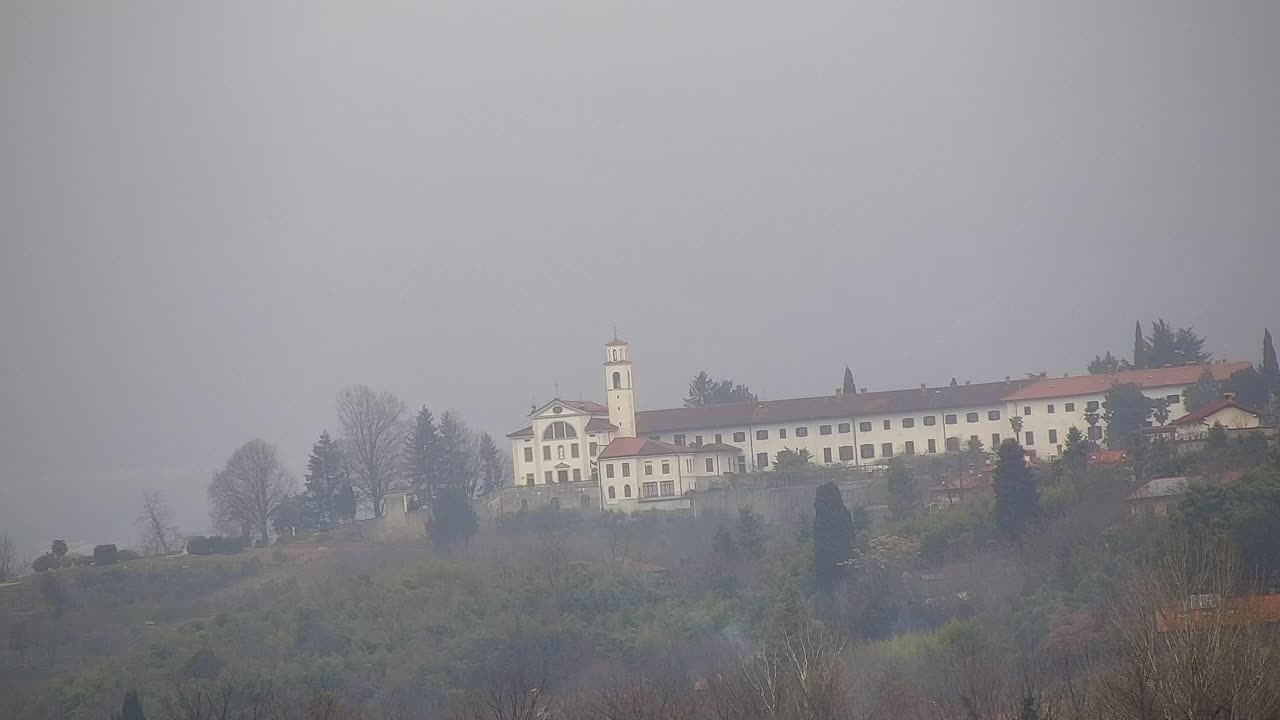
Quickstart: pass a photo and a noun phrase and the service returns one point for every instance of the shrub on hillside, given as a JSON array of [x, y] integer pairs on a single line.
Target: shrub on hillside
[[105, 555], [198, 545], [47, 561], [226, 545]]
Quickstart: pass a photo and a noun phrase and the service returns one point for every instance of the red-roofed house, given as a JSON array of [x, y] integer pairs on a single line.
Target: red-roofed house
[[1050, 406], [1225, 412]]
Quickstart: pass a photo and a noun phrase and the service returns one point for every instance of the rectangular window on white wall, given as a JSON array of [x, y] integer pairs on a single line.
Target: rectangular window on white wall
[[608, 470], [888, 424], [824, 429], [626, 469], [782, 433], [574, 450], [739, 437], [908, 423], [667, 488], [867, 451], [846, 453], [826, 455], [909, 448], [546, 452], [762, 434], [1053, 437], [666, 467], [546, 476], [711, 465], [762, 461], [648, 468], [802, 432], [528, 454]]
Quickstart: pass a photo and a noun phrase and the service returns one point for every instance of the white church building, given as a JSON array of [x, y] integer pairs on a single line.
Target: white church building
[[652, 458]]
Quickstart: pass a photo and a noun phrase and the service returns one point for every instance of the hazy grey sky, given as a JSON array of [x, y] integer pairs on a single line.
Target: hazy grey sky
[[215, 215]]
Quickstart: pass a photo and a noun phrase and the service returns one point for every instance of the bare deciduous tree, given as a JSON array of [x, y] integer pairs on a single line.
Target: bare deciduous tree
[[374, 437], [795, 675], [234, 697], [247, 492], [1190, 641], [159, 534]]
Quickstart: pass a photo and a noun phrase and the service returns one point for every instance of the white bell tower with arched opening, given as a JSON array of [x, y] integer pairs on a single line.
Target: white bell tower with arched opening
[[620, 387]]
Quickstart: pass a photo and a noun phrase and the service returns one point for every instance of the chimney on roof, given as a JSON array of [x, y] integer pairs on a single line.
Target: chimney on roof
[[1229, 396]]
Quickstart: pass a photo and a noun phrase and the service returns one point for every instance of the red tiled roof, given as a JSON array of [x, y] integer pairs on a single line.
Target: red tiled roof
[[1248, 608], [1204, 411], [634, 446], [587, 406], [1108, 457], [1099, 384], [600, 425], [826, 407]]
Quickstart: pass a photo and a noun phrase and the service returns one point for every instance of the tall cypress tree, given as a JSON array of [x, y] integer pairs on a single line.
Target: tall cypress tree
[[1270, 370], [1139, 347], [1017, 499], [849, 387], [832, 534], [326, 474]]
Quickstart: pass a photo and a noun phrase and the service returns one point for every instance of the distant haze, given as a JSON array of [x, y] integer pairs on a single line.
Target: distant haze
[[213, 216]]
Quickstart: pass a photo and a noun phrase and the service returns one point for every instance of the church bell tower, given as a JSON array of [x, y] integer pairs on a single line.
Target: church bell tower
[[619, 388]]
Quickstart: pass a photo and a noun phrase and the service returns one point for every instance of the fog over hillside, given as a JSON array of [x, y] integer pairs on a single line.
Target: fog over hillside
[[215, 216]]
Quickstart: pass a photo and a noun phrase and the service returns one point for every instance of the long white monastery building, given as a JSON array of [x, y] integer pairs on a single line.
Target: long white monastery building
[[655, 456]]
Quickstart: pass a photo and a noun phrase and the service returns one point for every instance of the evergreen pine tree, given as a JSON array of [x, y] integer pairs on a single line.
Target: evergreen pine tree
[[1202, 392], [1249, 387], [751, 536], [344, 503], [722, 545], [492, 467], [326, 474], [131, 709], [1270, 370], [849, 388], [1139, 347], [904, 497], [1017, 499], [421, 456], [453, 520], [832, 534], [454, 454]]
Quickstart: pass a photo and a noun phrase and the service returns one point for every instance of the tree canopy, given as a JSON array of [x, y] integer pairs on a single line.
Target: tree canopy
[[1017, 498], [832, 533], [705, 390]]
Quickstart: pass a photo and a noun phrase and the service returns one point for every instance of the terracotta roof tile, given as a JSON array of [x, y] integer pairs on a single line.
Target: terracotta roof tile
[[1204, 411], [1099, 384], [635, 446], [826, 407]]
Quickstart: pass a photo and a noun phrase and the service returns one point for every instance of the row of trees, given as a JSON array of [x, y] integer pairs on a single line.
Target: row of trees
[[1165, 346], [380, 449]]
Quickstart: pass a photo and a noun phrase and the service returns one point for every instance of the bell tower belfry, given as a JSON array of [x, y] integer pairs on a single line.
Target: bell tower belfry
[[619, 387]]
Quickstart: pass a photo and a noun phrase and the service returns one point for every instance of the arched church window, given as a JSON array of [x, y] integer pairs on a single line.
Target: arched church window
[[559, 430], [617, 380], [555, 503], [613, 495], [626, 491], [615, 355]]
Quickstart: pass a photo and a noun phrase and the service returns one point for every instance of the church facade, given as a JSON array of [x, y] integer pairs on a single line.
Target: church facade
[[653, 458]]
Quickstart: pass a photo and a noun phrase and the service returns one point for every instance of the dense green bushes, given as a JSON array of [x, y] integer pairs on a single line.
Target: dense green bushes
[[216, 545]]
